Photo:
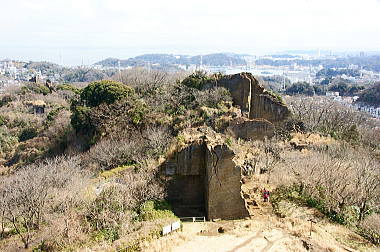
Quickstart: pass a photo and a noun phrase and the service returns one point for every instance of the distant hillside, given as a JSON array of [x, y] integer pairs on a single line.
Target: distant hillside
[[220, 59], [371, 63], [217, 59], [371, 96], [113, 62]]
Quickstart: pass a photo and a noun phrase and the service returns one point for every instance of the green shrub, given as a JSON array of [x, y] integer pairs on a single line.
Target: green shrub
[[5, 100], [27, 134], [3, 120], [116, 171], [228, 141], [68, 87], [300, 88], [96, 93], [276, 96], [53, 114], [80, 118], [7, 141], [351, 134], [35, 88], [108, 234], [104, 91], [152, 210], [197, 80], [138, 112], [106, 214]]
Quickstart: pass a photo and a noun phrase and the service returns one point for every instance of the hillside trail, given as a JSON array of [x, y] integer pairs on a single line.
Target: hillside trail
[[264, 231], [261, 233]]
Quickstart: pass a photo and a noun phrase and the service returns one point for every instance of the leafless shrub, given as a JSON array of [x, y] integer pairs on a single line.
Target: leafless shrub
[[60, 124], [155, 86], [108, 154], [370, 136], [53, 99], [142, 186], [339, 179], [212, 97], [147, 81], [370, 228], [266, 158], [158, 138], [321, 114], [144, 79], [112, 210], [28, 195], [12, 89]]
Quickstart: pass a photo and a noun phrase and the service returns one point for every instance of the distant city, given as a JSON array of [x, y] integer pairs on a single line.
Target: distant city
[[311, 67]]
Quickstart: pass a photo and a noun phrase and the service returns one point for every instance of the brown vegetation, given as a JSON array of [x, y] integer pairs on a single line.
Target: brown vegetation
[[107, 191]]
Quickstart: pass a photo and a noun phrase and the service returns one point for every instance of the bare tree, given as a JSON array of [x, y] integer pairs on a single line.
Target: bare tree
[[320, 114], [26, 194], [340, 178]]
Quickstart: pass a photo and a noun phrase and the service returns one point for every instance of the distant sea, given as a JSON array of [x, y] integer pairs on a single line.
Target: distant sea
[[67, 56]]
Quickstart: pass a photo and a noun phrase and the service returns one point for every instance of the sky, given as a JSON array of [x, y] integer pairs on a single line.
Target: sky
[[72, 32]]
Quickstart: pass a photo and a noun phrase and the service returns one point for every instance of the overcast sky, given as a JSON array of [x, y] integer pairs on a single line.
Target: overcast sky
[[69, 31]]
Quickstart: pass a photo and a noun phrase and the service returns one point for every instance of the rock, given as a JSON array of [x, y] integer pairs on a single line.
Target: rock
[[221, 230], [239, 85], [252, 203], [307, 245], [251, 129], [244, 180], [248, 93], [203, 179]]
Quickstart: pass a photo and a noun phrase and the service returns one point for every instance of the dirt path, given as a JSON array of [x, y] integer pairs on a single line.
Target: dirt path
[[265, 232], [242, 240]]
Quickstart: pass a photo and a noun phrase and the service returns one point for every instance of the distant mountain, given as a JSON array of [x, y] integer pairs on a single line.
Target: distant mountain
[[216, 59]]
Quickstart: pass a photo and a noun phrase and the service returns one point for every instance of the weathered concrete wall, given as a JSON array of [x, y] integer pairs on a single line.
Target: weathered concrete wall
[[223, 193]]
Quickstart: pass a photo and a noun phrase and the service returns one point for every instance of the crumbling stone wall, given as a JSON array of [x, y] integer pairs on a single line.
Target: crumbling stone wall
[[239, 85], [266, 107], [223, 199], [251, 96], [248, 129]]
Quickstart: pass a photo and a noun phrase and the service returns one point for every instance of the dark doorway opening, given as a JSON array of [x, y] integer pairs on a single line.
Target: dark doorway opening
[[186, 194]]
